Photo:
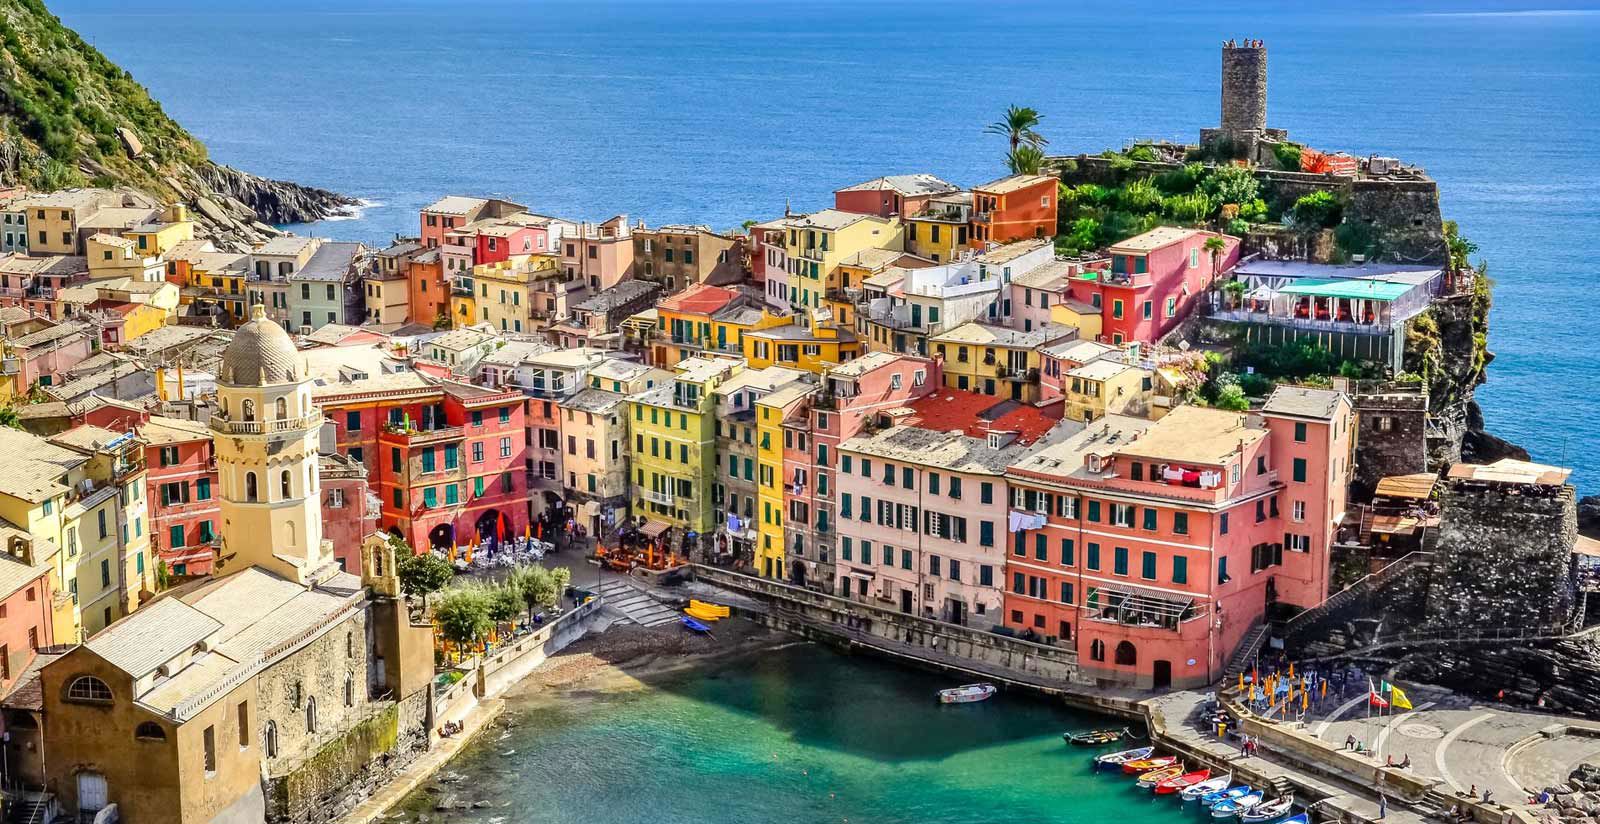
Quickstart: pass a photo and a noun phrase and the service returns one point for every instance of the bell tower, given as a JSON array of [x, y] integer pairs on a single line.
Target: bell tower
[[266, 433]]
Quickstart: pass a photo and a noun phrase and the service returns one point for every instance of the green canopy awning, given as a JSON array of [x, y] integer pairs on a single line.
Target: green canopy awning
[[1350, 289]]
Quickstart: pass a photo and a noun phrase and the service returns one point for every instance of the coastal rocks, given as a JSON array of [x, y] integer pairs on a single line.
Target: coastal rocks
[[275, 201], [130, 141], [1589, 515]]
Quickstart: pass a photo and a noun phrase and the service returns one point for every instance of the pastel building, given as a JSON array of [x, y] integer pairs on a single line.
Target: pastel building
[[1155, 280], [674, 453], [923, 508], [996, 360], [1017, 207], [182, 489], [892, 195], [817, 243], [903, 307], [1153, 547], [599, 254]]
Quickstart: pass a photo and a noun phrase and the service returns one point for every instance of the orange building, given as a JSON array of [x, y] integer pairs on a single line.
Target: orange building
[[429, 293], [1017, 207]]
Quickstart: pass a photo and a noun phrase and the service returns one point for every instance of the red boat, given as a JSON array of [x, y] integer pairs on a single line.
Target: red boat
[[1173, 785], [1145, 765]]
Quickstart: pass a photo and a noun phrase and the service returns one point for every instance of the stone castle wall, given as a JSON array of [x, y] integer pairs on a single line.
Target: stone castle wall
[[1244, 88], [1503, 559], [1399, 447]]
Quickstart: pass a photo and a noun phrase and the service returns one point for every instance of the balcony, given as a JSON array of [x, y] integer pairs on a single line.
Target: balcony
[[224, 426], [816, 253], [982, 217], [653, 497], [418, 437]]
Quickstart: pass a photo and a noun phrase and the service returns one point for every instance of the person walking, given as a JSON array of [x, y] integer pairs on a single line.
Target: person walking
[[1383, 806]]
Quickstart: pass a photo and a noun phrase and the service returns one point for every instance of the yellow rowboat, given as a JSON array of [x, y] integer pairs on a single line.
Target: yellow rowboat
[[714, 610], [702, 615]]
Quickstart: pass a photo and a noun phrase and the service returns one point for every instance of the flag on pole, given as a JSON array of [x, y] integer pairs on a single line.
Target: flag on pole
[[1255, 675], [1398, 699], [1374, 699], [1384, 686]]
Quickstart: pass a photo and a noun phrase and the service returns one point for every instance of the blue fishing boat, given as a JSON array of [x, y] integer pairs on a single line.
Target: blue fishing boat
[[1223, 795], [1233, 806], [693, 626]]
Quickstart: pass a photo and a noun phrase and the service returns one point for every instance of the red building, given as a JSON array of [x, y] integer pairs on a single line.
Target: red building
[[1018, 207], [1155, 281], [1153, 547], [181, 491], [447, 460], [349, 509], [892, 196]]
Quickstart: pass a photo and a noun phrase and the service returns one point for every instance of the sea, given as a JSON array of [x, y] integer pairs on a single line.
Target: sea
[[719, 112], [801, 734]]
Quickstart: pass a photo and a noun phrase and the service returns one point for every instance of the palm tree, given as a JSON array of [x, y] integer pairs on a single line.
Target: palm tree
[[1025, 160], [1214, 246], [1018, 127]]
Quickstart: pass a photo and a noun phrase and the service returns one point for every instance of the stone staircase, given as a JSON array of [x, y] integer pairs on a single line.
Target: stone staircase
[[639, 607], [1363, 586], [1246, 653], [30, 808]]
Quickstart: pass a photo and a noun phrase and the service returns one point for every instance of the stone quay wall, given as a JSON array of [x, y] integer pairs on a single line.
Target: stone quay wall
[[924, 641]]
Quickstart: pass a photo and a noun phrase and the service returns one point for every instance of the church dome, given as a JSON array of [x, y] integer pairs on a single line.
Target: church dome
[[261, 354]]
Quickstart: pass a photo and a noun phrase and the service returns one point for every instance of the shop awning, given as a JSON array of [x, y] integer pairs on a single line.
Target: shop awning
[[1415, 487], [654, 529], [1351, 289]]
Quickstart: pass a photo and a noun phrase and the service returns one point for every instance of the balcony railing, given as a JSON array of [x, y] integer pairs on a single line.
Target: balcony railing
[[654, 497], [421, 436], [227, 427]]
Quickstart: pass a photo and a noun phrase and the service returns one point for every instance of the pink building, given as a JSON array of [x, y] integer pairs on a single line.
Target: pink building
[[1057, 359], [902, 195], [922, 505], [1155, 281], [182, 493], [1153, 547], [599, 253], [348, 513], [25, 600], [44, 357], [453, 212]]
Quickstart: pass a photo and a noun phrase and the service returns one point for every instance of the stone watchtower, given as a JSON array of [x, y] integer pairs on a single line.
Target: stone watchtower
[[1243, 132], [1244, 87]]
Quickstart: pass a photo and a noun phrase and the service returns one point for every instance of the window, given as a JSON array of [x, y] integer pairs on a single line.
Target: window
[[1092, 556], [1222, 570], [1222, 524], [244, 725], [311, 714], [88, 688], [210, 742], [1299, 432], [1097, 650], [986, 533], [1147, 566], [986, 492], [283, 483], [202, 489], [1094, 511], [1300, 470], [1180, 523], [1119, 560], [169, 455], [149, 731], [1149, 517]]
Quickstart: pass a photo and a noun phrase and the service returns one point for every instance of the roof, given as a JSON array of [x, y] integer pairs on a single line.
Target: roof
[[856, 367], [1064, 457], [168, 627], [14, 574], [617, 296], [1417, 487], [832, 220], [1350, 289], [331, 263], [1081, 350], [978, 414], [699, 299], [908, 185], [49, 334], [872, 259], [287, 246], [89, 438], [1047, 276], [1584, 545], [464, 338], [593, 400], [1303, 402], [162, 431], [619, 369], [188, 249], [1302, 269], [1510, 471], [36, 468], [401, 248], [118, 217], [766, 379], [1197, 434], [1002, 255], [1100, 369], [110, 240], [261, 353], [973, 332], [1157, 238], [1012, 183], [953, 450], [796, 332], [455, 205]]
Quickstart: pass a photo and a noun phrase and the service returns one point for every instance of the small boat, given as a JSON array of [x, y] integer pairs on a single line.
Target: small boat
[[693, 626], [701, 615], [1268, 810], [1144, 765], [1303, 818], [714, 610], [1235, 806], [1117, 759], [1213, 798], [1184, 781], [1095, 738], [1210, 785], [967, 694], [1151, 779]]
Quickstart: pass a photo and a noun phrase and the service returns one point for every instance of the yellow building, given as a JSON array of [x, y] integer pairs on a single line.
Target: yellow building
[[54, 219], [79, 491], [505, 290], [1106, 386], [156, 239], [771, 412], [707, 320], [814, 348], [1081, 316], [217, 280], [995, 360], [817, 243], [109, 256], [672, 429], [940, 237]]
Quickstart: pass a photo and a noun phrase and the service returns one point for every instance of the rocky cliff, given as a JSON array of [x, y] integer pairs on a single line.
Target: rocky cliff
[[71, 117]]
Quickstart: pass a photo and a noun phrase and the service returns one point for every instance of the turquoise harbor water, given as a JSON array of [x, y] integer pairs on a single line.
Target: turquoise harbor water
[[719, 111], [801, 735]]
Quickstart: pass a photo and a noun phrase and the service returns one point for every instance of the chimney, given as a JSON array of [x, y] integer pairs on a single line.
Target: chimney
[[21, 548]]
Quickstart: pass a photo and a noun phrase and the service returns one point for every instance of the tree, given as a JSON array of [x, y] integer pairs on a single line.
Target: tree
[[1232, 398], [1321, 209], [1025, 160], [505, 601], [1231, 184], [1214, 247], [463, 615], [9, 417], [1017, 126], [422, 575]]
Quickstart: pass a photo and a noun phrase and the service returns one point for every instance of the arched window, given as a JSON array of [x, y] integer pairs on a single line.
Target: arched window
[[349, 690], [247, 410], [149, 731], [1097, 650], [1127, 656], [283, 409], [88, 688], [288, 528], [311, 714], [250, 486], [284, 483], [272, 739]]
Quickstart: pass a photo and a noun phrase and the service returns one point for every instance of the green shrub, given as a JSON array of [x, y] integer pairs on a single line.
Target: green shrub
[[1321, 209], [1231, 184], [1142, 152], [1288, 156]]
